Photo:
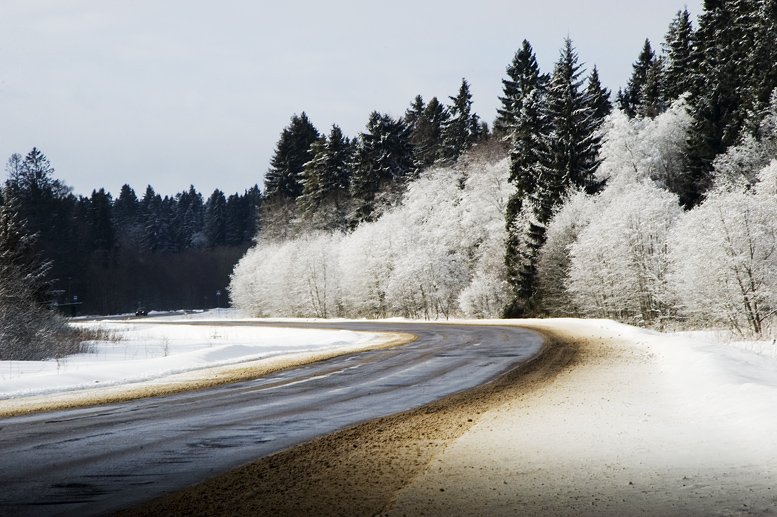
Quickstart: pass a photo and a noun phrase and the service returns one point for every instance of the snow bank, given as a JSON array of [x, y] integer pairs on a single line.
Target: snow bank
[[153, 350]]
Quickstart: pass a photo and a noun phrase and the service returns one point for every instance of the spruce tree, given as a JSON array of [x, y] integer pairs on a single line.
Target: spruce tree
[[567, 149], [426, 135], [462, 129], [678, 47], [100, 217], [523, 75], [717, 108], [20, 254], [598, 97], [214, 220], [383, 160], [292, 152], [652, 95], [525, 128], [630, 99], [327, 179]]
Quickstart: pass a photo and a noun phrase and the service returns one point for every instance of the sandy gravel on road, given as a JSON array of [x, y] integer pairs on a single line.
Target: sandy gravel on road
[[596, 425]]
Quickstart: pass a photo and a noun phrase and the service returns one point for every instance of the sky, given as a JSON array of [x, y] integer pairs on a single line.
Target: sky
[[178, 92]]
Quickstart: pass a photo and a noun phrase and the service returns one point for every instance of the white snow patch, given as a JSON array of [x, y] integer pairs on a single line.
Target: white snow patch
[[154, 349]]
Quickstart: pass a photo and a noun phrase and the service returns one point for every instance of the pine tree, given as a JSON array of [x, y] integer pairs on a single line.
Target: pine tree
[[414, 112], [525, 128], [292, 152], [678, 46], [630, 99], [760, 69], [462, 129], [383, 160]]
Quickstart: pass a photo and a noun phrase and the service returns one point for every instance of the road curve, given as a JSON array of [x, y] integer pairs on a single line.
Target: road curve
[[102, 459]]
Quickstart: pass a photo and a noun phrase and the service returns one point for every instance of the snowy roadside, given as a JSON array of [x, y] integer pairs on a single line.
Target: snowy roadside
[[165, 354], [644, 422]]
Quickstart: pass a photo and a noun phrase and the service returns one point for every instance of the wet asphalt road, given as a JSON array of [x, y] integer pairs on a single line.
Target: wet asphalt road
[[102, 459]]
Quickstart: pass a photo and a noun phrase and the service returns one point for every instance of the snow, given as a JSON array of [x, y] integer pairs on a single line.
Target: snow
[[644, 422], [154, 349]]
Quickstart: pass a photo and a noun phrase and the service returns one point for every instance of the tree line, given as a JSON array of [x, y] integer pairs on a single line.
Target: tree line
[[108, 256]]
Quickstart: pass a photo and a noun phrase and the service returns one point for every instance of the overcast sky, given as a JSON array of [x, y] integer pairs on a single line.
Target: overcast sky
[[179, 92]]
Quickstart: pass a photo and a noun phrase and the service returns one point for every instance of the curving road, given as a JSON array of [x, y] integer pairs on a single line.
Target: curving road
[[102, 459]]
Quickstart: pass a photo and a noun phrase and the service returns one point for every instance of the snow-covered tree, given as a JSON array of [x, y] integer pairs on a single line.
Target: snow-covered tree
[[725, 254], [620, 260], [436, 254], [383, 160]]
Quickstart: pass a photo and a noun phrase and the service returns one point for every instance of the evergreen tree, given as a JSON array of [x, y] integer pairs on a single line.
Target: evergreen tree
[[20, 255], [427, 134], [598, 97], [462, 129], [215, 218], [292, 152], [151, 220], [328, 179], [523, 75], [384, 158], [678, 46], [414, 112], [630, 100], [101, 221], [652, 96], [761, 72], [718, 115], [566, 147]]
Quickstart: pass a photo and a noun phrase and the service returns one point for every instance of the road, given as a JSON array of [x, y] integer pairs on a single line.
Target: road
[[102, 459]]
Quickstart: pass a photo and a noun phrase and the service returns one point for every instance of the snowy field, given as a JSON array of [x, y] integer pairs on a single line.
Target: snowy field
[[153, 349]]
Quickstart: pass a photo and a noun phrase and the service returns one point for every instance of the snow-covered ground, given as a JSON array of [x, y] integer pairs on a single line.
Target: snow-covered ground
[[641, 422], [154, 349]]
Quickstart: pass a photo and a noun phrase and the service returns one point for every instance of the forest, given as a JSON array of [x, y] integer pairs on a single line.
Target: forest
[[653, 205], [655, 208]]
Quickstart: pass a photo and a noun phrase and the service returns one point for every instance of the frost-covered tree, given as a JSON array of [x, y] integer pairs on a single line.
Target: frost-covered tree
[[436, 254], [620, 260], [725, 254], [641, 149]]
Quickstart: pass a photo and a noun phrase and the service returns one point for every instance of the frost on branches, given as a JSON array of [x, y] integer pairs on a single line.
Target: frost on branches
[[725, 257], [438, 254]]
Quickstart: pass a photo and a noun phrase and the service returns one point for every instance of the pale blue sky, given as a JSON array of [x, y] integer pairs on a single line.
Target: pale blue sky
[[188, 91]]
